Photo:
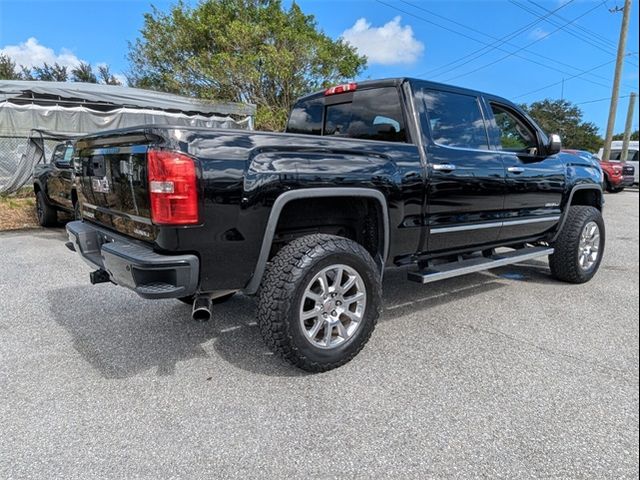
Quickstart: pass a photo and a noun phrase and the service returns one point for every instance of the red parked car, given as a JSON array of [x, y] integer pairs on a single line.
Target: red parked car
[[616, 175]]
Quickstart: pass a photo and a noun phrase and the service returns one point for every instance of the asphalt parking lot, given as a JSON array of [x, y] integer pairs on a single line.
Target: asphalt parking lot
[[504, 374]]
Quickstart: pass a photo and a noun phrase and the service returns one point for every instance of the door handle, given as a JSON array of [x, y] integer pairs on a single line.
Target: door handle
[[516, 170], [443, 167]]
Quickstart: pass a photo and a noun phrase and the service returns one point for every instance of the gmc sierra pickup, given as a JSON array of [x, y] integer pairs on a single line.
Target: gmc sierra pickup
[[397, 172]]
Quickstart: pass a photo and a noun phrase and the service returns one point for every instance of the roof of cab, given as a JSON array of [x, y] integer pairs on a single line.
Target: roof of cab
[[396, 81]]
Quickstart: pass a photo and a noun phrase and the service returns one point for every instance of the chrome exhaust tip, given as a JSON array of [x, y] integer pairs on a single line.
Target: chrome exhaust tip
[[202, 308]]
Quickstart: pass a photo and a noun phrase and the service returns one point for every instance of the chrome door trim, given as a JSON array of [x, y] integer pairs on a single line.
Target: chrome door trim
[[463, 228], [505, 223], [527, 221]]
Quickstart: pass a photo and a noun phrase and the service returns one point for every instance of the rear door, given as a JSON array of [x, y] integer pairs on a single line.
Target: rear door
[[535, 182], [466, 178]]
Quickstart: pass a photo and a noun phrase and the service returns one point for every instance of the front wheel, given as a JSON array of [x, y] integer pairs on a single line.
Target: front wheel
[[47, 215], [579, 248], [319, 301]]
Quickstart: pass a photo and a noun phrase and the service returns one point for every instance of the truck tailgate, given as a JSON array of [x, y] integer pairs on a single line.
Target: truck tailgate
[[113, 183]]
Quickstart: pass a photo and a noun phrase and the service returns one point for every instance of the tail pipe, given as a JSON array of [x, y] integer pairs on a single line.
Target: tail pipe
[[202, 308]]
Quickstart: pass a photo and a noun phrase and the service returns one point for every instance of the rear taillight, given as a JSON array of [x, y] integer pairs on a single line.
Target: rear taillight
[[347, 87], [172, 188]]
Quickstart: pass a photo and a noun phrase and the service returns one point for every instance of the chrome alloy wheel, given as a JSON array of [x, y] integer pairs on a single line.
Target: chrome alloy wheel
[[333, 306], [589, 247]]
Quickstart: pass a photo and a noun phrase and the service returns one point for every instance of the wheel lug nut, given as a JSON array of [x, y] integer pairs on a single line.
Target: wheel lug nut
[[338, 303], [334, 313], [325, 314]]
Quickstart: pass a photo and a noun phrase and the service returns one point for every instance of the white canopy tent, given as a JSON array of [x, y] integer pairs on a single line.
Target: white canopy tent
[[80, 108]]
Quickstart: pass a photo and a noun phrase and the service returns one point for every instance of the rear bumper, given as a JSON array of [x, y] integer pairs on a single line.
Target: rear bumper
[[133, 264]]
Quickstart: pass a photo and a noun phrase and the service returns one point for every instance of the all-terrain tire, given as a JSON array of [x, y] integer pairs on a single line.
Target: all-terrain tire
[[47, 215], [282, 292], [564, 262]]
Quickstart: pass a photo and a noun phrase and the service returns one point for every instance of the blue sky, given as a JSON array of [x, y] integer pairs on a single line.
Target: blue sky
[[427, 39]]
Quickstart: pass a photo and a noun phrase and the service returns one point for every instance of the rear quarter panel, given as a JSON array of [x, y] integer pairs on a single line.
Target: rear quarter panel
[[243, 173]]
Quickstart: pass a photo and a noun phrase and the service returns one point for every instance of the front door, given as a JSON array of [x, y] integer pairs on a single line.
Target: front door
[[466, 179], [60, 180], [535, 182]]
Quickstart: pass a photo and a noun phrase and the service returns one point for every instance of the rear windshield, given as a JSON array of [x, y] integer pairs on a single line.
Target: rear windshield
[[374, 114]]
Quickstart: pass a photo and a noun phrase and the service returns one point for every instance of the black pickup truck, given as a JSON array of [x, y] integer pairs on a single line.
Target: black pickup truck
[[397, 172], [54, 187]]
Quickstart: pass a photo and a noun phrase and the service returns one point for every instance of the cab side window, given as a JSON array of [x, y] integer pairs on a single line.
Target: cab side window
[[455, 120], [515, 135], [58, 154]]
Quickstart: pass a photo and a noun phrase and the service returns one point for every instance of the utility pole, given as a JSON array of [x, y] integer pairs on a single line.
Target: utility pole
[[628, 126], [615, 92]]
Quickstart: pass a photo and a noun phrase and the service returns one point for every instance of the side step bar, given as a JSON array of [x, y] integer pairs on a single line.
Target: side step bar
[[477, 264]]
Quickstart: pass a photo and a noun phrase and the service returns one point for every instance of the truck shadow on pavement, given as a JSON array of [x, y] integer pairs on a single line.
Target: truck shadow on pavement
[[121, 335]]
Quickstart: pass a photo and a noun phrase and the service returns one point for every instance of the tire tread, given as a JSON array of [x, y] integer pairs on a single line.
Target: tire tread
[[282, 276]]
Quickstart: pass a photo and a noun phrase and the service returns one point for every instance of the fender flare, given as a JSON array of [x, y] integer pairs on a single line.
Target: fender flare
[[286, 197], [563, 218], [43, 189]]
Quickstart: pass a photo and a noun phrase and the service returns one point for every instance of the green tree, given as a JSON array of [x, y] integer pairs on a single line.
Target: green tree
[[240, 50], [565, 118], [51, 73], [106, 76], [634, 136], [8, 68], [83, 73]]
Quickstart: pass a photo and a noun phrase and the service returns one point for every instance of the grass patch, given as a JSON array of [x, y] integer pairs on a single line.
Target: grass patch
[[18, 210]]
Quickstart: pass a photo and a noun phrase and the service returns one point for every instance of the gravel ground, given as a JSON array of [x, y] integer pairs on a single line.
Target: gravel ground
[[506, 374]]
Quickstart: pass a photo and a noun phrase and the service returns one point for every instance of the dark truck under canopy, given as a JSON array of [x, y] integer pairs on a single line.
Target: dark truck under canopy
[[368, 175]]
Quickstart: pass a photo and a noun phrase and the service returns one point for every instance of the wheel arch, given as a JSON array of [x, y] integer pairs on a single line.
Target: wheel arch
[[317, 193], [586, 194]]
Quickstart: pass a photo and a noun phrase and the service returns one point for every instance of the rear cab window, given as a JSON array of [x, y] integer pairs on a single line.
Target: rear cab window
[[368, 114]]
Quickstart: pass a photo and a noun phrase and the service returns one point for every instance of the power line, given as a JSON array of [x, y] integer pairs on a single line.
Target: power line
[[505, 39], [589, 37], [577, 75], [600, 100], [544, 65], [488, 46], [482, 67], [608, 51], [591, 40]]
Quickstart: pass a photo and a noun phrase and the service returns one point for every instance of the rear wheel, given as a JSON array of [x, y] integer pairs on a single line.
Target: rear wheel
[[616, 190], [579, 248], [47, 215], [319, 301]]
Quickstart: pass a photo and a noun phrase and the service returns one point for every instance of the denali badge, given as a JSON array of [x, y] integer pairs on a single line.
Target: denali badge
[[100, 185]]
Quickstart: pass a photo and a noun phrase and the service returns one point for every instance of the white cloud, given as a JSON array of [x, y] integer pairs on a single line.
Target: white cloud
[[32, 54], [538, 34], [387, 45]]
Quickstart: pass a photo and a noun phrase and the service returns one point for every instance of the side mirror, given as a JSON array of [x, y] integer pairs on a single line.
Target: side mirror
[[62, 164], [554, 145]]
